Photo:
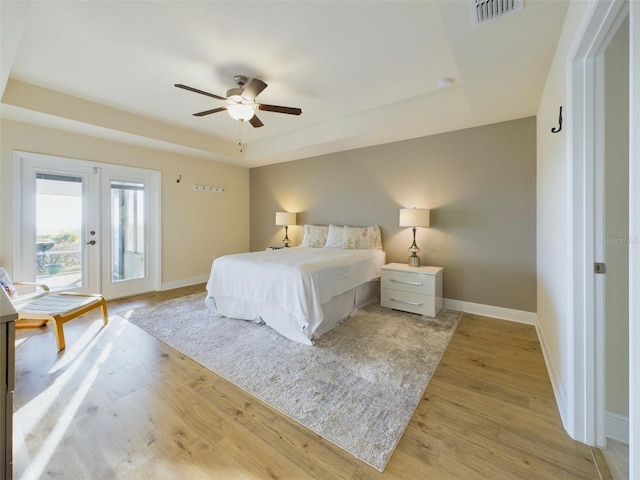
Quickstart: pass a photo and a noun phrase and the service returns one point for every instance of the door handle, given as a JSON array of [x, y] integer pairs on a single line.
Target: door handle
[[92, 242]]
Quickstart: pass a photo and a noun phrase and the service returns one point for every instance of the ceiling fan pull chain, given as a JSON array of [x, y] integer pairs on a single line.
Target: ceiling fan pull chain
[[240, 134]]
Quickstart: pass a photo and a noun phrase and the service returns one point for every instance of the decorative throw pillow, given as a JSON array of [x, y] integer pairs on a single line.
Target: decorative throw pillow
[[315, 236], [6, 283], [334, 238], [361, 238]]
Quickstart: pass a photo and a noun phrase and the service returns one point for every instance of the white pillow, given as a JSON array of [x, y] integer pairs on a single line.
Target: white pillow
[[334, 238], [315, 236]]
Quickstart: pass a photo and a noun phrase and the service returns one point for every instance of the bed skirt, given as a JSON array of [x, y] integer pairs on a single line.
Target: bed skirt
[[334, 312]]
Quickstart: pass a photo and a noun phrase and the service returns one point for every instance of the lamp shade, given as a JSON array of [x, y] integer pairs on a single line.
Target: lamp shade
[[414, 217], [285, 218]]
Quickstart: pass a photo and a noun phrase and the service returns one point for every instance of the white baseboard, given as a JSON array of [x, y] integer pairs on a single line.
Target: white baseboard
[[616, 427], [186, 282], [519, 316], [559, 392]]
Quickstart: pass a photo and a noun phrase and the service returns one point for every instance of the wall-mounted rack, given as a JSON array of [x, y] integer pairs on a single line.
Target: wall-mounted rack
[[209, 188]]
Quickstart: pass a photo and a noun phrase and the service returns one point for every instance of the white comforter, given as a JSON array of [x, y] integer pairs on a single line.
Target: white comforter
[[295, 280]]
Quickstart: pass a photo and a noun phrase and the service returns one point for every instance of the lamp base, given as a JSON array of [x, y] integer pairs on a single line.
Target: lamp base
[[286, 236], [414, 261]]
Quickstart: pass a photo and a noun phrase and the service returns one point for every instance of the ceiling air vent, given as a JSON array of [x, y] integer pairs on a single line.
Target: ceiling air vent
[[483, 11]]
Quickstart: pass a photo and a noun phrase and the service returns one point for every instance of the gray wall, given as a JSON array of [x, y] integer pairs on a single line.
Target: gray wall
[[617, 222], [479, 183]]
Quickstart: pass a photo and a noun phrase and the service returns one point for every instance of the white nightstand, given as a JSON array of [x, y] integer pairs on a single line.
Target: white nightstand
[[411, 289]]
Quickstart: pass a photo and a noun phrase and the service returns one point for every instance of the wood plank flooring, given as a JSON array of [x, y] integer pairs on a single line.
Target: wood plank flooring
[[119, 404]]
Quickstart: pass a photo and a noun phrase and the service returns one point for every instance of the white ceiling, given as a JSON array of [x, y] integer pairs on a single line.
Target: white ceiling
[[363, 72]]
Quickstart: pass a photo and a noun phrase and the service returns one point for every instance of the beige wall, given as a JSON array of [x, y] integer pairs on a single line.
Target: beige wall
[[554, 222], [196, 226], [480, 184]]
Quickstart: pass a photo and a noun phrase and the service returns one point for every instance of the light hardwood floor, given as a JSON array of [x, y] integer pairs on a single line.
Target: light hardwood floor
[[117, 403]]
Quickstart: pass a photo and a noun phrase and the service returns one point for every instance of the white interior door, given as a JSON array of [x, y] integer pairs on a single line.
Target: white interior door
[[86, 227], [587, 364]]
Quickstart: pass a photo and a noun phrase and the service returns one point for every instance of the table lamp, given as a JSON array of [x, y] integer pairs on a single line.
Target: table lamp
[[285, 219], [414, 217]]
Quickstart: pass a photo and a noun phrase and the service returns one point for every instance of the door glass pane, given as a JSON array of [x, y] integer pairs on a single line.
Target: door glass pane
[[128, 227], [58, 230]]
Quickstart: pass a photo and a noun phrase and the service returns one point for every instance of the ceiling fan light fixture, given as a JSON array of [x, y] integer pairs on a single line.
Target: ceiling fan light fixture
[[241, 104], [241, 111]]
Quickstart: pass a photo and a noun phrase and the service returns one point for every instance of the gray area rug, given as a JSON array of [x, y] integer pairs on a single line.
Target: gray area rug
[[357, 386]]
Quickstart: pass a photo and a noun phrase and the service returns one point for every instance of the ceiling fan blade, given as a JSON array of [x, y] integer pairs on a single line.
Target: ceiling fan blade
[[201, 92], [209, 112], [254, 88], [255, 121], [279, 109]]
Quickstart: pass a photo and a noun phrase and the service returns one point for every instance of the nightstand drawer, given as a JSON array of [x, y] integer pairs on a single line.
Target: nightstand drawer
[[409, 282], [409, 302], [411, 289]]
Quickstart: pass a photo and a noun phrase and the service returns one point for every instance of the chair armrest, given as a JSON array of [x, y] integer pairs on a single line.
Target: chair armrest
[[20, 298], [33, 284]]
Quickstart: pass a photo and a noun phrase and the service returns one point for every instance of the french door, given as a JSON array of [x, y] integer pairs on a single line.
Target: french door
[[87, 227]]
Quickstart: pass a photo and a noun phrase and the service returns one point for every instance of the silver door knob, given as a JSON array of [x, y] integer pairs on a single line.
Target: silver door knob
[[92, 242]]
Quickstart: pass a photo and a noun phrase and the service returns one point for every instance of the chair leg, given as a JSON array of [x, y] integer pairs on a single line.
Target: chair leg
[[59, 334], [105, 314]]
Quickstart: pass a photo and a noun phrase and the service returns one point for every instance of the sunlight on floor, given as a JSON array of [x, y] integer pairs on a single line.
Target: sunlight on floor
[[64, 372], [21, 341], [83, 344], [41, 459], [34, 410]]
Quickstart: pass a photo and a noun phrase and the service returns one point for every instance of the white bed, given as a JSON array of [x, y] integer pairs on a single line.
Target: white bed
[[300, 292]]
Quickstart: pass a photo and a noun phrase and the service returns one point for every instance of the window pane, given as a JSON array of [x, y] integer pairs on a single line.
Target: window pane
[[128, 230], [58, 230]]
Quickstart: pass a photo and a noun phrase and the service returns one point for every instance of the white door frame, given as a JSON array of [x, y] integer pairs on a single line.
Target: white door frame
[[154, 253], [585, 98]]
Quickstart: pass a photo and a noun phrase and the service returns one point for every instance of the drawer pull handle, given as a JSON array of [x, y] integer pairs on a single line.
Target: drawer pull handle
[[415, 304], [418, 284]]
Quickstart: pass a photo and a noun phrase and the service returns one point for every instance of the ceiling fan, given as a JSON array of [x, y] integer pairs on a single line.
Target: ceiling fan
[[241, 101]]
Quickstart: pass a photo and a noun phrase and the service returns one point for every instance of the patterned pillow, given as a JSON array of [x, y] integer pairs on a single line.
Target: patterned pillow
[[362, 237], [6, 283], [315, 236]]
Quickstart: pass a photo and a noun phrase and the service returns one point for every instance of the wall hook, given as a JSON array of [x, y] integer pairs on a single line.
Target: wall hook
[[179, 178], [554, 129]]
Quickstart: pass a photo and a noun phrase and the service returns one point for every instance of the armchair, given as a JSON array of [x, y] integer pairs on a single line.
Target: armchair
[[37, 309]]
